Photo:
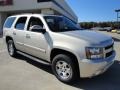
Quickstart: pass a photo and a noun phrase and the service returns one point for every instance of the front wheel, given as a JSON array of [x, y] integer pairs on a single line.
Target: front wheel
[[64, 68], [11, 48]]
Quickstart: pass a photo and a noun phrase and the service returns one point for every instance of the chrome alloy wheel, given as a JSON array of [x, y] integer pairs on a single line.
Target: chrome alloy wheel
[[63, 69]]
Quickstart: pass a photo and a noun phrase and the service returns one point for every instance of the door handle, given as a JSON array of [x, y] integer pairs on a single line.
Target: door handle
[[27, 36], [14, 33]]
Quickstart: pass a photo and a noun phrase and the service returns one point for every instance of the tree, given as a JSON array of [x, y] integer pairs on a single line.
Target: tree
[[88, 25]]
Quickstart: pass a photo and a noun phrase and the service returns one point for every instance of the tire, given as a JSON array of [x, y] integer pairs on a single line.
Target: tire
[[64, 68], [11, 48]]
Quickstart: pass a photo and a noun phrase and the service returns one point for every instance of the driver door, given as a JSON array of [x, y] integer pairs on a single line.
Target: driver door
[[35, 42]]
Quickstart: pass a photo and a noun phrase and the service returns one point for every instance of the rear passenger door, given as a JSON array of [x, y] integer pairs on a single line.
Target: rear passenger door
[[19, 33]]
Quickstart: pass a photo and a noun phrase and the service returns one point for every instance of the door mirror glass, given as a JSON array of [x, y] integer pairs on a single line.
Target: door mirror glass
[[37, 28]]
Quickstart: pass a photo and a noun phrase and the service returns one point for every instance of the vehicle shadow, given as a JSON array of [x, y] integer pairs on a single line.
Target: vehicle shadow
[[110, 80], [43, 66]]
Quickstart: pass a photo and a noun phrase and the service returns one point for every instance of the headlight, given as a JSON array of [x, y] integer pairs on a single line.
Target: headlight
[[94, 53]]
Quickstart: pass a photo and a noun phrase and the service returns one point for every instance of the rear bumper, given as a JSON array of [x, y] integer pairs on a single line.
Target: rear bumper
[[89, 68]]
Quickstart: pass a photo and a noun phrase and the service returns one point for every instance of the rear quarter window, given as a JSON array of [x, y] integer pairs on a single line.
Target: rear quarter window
[[9, 22]]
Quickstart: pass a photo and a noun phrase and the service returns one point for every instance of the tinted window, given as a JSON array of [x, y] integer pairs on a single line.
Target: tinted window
[[34, 21], [60, 24], [9, 22], [21, 23]]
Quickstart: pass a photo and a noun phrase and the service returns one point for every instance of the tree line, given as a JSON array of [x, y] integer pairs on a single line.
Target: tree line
[[88, 25]]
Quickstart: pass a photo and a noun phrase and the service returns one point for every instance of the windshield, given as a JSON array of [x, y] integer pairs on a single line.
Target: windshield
[[60, 24]]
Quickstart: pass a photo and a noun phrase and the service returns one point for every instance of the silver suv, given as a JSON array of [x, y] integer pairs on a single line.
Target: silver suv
[[71, 51]]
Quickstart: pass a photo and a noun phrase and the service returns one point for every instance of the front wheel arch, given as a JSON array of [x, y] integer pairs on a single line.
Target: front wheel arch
[[56, 51]]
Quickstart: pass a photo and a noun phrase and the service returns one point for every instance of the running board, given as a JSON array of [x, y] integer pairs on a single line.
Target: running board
[[34, 58]]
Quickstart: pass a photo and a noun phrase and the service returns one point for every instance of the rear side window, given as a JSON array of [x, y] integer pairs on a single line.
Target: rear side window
[[20, 25], [9, 22]]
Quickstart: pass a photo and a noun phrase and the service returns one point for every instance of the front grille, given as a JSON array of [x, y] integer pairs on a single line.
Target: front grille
[[109, 50]]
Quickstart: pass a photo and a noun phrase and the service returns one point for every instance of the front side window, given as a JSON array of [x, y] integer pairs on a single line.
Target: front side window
[[34, 21], [9, 22], [60, 24], [20, 25]]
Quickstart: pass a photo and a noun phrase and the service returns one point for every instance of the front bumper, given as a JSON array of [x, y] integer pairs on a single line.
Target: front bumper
[[89, 68]]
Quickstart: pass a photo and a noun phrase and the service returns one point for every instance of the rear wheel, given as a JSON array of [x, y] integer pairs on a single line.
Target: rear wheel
[[11, 48], [64, 68]]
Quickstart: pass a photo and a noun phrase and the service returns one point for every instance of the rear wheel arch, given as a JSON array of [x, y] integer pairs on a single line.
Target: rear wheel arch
[[8, 38]]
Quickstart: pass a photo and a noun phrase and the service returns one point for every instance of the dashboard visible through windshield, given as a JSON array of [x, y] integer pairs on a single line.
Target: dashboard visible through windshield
[[60, 24]]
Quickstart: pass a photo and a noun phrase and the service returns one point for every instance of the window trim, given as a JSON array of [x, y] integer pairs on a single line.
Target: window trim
[[29, 21], [17, 21]]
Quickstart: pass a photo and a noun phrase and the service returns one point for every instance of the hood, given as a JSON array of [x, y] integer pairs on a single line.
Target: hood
[[90, 36]]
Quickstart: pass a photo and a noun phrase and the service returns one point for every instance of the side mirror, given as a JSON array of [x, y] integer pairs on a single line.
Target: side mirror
[[37, 28]]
